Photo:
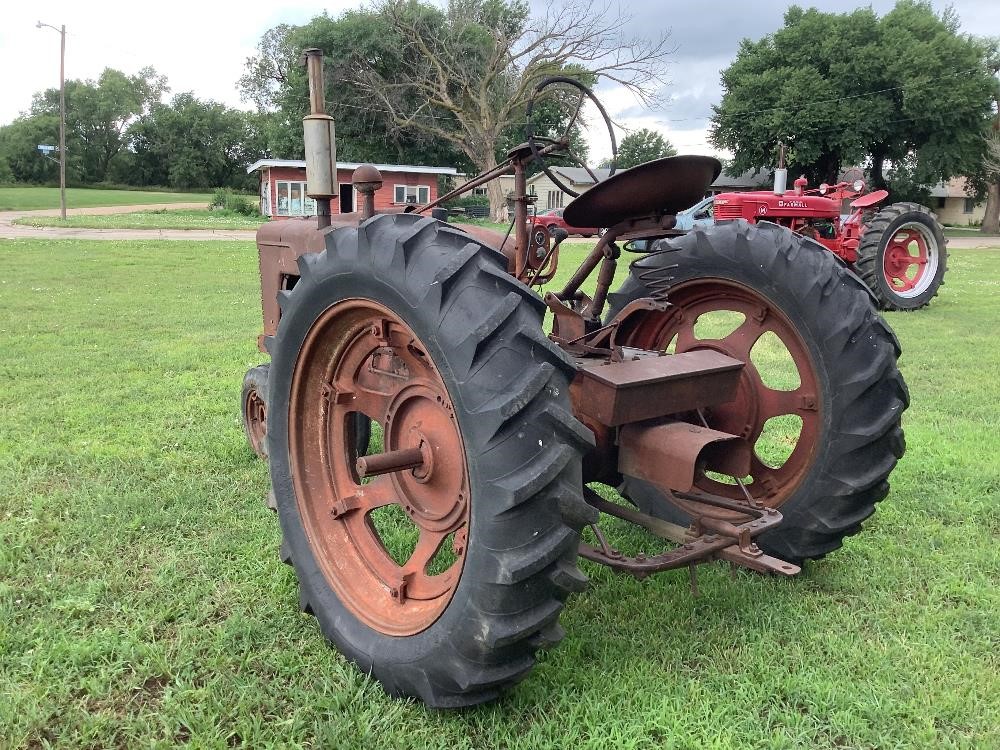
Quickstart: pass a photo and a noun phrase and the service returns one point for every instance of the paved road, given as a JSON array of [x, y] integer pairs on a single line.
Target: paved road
[[9, 230]]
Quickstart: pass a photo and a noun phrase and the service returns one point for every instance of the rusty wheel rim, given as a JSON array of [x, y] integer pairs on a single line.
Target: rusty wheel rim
[[756, 402], [255, 418], [359, 356], [910, 260]]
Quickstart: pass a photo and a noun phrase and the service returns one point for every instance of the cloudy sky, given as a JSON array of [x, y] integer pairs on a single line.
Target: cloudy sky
[[202, 47]]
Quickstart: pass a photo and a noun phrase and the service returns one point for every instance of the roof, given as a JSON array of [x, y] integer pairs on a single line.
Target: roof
[[576, 175], [753, 178], [300, 163]]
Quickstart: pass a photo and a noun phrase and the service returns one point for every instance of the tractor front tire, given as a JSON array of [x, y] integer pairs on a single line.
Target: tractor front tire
[[419, 327], [254, 408], [810, 313], [902, 256]]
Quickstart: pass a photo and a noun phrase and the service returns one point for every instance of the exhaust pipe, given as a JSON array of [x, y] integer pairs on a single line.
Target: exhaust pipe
[[780, 174], [320, 142]]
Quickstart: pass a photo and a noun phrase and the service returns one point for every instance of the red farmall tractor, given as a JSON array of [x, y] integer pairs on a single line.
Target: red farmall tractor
[[899, 250], [439, 462]]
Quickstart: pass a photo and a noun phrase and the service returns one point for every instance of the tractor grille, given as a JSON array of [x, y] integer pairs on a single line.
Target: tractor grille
[[727, 211]]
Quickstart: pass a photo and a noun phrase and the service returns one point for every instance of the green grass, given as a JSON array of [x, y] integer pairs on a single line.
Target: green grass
[[25, 198], [156, 219], [142, 602], [971, 232]]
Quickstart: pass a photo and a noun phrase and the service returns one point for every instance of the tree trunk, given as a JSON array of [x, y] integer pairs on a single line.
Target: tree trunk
[[878, 160], [991, 221], [494, 190]]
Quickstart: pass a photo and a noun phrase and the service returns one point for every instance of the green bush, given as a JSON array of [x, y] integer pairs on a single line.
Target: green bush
[[467, 201], [225, 199]]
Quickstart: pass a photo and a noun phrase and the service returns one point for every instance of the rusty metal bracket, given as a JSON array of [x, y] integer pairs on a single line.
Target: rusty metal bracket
[[729, 542]]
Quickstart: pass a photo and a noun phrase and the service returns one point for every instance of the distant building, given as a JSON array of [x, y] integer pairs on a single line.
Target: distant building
[[754, 179], [954, 205], [551, 195], [283, 187]]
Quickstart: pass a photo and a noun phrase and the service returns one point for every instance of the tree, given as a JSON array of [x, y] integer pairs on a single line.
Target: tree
[[19, 149], [98, 114], [991, 164], [192, 143], [843, 88], [641, 146], [989, 180], [277, 83], [456, 78]]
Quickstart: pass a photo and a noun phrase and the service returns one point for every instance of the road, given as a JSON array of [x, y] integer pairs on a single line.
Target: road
[[9, 230]]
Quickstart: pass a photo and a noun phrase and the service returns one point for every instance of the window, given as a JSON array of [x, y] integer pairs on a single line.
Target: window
[[480, 191], [554, 199], [292, 199], [412, 194], [941, 202], [970, 205]]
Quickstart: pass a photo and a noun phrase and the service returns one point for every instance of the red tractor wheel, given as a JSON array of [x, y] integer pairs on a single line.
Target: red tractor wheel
[[820, 398], [902, 256], [440, 564]]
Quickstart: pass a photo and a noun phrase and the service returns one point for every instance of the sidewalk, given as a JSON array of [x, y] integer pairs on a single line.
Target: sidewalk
[[9, 230]]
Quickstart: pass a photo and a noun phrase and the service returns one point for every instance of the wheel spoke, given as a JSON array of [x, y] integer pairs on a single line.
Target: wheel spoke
[[773, 403], [741, 341], [427, 547]]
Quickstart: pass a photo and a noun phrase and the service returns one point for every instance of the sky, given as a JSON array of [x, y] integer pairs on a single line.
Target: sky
[[202, 47]]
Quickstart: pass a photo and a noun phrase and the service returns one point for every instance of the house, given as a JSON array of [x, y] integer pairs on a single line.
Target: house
[[283, 187], [954, 205], [754, 179], [551, 195]]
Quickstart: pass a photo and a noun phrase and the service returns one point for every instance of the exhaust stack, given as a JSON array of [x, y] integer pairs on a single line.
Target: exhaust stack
[[780, 174], [320, 142]]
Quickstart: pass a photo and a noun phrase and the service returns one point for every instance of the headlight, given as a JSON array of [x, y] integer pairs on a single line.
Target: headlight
[[823, 188], [858, 186]]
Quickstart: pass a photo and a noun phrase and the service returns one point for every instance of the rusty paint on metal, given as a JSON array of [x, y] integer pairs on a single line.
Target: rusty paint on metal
[[616, 393], [671, 454]]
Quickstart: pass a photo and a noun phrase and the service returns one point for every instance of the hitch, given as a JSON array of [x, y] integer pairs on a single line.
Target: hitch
[[705, 540]]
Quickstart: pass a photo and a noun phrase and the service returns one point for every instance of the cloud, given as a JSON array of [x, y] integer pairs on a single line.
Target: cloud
[[202, 47]]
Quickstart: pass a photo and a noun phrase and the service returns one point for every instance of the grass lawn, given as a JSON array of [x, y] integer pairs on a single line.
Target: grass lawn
[[142, 602], [27, 198], [162, 218], [971, 232]]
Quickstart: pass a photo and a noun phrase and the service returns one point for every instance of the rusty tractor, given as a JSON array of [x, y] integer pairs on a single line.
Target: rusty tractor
[[899, 250], [439, 463]]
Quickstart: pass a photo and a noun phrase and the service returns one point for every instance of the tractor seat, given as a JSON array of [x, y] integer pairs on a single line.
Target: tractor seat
[[656, 188]]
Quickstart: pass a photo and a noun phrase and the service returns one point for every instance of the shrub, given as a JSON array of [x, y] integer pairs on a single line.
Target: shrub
[[226, 200], [467, 201]]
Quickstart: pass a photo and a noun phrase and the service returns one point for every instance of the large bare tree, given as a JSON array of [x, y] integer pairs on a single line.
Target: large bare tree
[[991, 164], [467, 71]]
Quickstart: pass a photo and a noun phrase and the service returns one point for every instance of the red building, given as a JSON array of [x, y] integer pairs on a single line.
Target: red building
[[283, 187]]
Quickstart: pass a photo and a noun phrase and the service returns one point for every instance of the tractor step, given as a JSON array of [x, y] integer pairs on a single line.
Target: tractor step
[[648, 387]]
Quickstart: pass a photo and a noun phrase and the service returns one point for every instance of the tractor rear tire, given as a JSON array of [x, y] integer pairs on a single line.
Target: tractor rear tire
[[900, 279], [457, 348], [850, 395], [254, 408]]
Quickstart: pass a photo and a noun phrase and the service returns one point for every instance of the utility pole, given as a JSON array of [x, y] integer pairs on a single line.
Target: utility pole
[[62, 115]]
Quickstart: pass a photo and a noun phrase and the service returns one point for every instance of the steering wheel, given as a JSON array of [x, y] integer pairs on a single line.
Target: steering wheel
[[563, 140]]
